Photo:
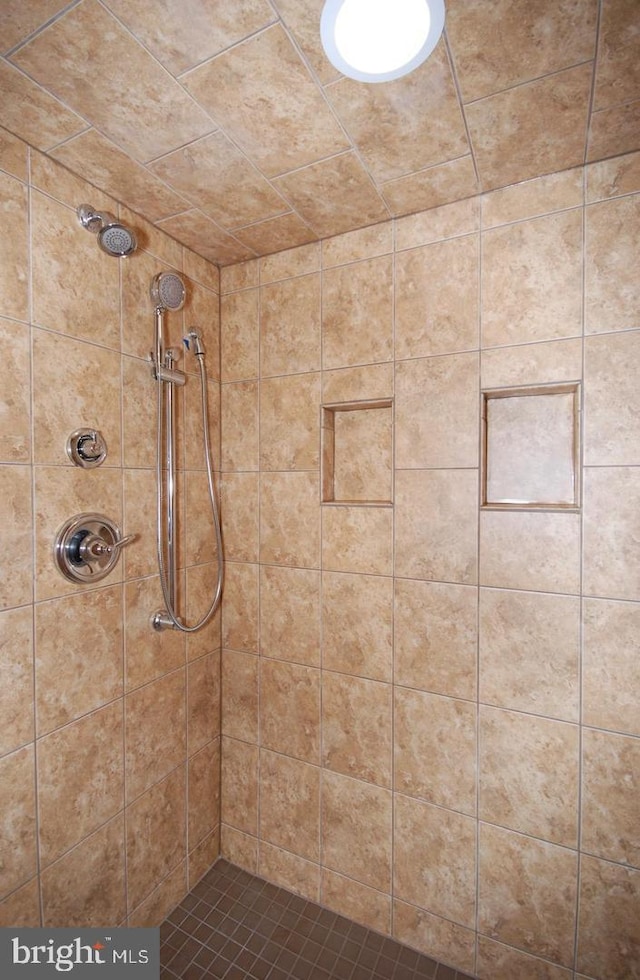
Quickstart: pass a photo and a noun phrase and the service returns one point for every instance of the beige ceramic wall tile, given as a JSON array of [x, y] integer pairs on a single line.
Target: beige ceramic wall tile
[[611, 677], [435, 637], [239, 848], [437, 412], [498, 962], [239, 805], [356, 830], [161, 901], [239, 426], [75, 385], [617, 77], [357, 313], [290, 519], [290, 263], [202, 273], [140, 82], [356, 901], [69, 894], [611, 290], [613, 178], [527, 894], [68, 268], [357, 615], [148, 653], [14, 155], [611, 525], [204, 793], [357, 539], [532, 198], [80, 780], [240, 609], [139, 503], [523, 550], [532, 280], [243, 275], [290, 804], [16, 666], [18, 800], [290, 709], [612, 403], [290, 871], [290, 326], [357, 727], [608, 932], [538, 126], [203, 701], [531, 364], [16, 578], [290, 614], [610, 796], [201, 583], [200, 859], [289, 420], [451, 943], [239, 327], [239, 496], [156, 836], [239, 695], [200, 543], [509, 43], [437, 298], [435, 749], [247, 88], [612, 131], [436, 525], [433, 187], [434, 860], [15, 418], [33, 113], [72, 676], [360, 467], [22, 907], [398, 128], [529, 775], [438, 224], [358, 384], [54, 180], [358, 245], [313, 192], [530, 652], [151, 749], [14, 257]]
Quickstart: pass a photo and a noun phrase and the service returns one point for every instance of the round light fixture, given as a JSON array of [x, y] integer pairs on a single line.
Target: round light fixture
[[379, 40]]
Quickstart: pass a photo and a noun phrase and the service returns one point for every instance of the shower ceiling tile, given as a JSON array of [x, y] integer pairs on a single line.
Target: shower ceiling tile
[[108, 167], [275, 234], [302, 17], [442, 184], [19, 19], [503, 43], [198, 232], [139, 106], [185, 34], [614, 131], [262, 94], [532, 129], [412, 124], [618, 70], [215, 176], [317, 193], [32, 113]]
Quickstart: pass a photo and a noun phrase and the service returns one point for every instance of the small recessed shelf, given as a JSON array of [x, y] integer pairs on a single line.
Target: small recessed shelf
[[357, 453], [531, 448]]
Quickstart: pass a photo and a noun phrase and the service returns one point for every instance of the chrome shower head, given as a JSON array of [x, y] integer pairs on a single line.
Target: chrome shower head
[[114, 238], [167, 291]]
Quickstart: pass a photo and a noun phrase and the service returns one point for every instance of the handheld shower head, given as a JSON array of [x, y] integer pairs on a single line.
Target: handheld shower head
[[167, 291], [114, 238]]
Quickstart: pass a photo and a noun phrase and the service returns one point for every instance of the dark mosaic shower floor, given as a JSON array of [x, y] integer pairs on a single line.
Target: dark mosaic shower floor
[[235, 926]]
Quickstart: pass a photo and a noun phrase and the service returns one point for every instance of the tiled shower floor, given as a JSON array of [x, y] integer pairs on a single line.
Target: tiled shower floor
[[236, 926]]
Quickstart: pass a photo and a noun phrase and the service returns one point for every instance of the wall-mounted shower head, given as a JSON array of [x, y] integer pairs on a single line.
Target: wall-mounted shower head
[[167, 291], [114, 238]]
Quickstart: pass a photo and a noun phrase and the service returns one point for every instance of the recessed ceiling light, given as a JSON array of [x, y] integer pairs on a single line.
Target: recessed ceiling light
[[379, 40]]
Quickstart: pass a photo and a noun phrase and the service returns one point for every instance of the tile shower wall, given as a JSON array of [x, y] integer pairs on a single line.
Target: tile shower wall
[[430, 713], [109, 733]]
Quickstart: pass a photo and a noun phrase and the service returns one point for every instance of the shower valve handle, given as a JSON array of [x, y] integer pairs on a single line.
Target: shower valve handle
[[94, 547]]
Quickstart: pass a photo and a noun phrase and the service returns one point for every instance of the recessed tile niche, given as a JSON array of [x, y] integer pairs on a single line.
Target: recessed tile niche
[[531, 445], [357, 452]]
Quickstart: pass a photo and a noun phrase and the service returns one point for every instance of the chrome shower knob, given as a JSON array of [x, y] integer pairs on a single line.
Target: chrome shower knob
[[87, 547]]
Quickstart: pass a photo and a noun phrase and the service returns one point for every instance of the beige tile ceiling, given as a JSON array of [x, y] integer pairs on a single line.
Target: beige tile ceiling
[[223, 123]]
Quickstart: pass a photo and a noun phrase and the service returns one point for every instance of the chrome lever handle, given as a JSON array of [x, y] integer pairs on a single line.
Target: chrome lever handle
[[93, 546]]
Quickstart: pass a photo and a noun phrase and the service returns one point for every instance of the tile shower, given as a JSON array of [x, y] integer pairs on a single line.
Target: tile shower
[[428, 714]]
